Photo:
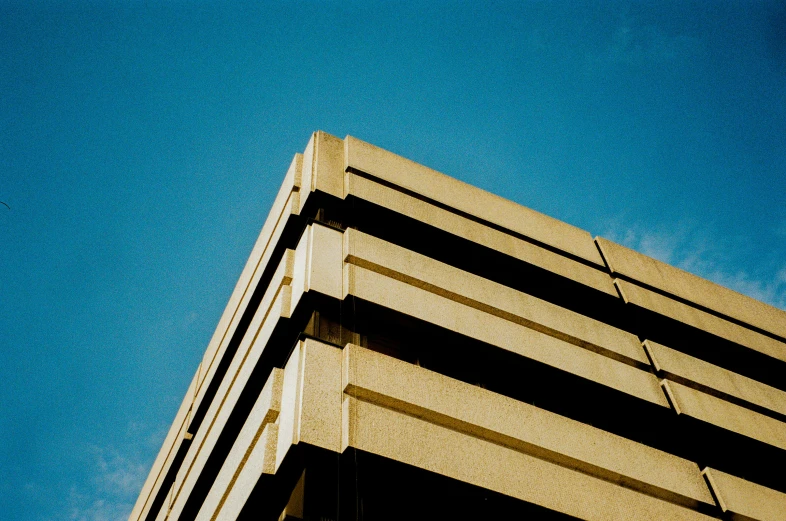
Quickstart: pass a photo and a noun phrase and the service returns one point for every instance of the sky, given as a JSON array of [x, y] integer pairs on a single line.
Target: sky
[[142, 144]]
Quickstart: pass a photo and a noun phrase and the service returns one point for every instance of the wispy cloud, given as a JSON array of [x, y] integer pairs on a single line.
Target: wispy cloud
[[697, 250], [117, 478], [639, 44]]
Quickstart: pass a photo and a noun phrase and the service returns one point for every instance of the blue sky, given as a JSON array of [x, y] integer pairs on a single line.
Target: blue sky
[[141, 146]]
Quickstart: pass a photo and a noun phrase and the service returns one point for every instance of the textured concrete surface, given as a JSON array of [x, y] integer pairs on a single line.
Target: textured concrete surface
[[695, 289], [502, 469], [252, 454], [469, 229], [676, 310], [745, 500], [502, 333], [466, 198], [323, 166], [720, 382], [415, 391], [728, 416], [442, 279]]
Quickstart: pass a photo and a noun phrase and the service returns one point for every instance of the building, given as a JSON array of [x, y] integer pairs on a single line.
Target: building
[[403, 345]]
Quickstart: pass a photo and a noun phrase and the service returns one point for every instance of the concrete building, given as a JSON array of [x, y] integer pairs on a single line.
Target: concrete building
[[403, 345]]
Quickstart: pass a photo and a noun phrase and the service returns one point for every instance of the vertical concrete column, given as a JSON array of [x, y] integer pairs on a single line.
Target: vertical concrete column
[[323, 166]]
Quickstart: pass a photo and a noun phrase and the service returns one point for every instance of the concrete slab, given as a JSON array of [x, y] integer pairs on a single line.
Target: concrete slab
[[166, 454], [411, 176], [417, 442], [704, 321], [684, 285], [232, 385], [472, 230], [252, 454], [720, 382], [223, 335], [415, 391], [311, 399], [471, 290], [745, 500], [727, 415], [496, 331], [323, 166]]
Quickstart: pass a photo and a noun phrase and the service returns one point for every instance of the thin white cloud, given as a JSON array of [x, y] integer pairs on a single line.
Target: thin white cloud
[[82, 507], [635, 44], [117, 478]]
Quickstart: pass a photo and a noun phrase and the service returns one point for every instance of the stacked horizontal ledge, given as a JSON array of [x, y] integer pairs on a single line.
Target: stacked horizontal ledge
[[317, 358]]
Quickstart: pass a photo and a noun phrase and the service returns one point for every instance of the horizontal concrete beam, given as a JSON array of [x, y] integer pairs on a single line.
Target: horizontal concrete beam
[[668, 307], [177, 433], [726, 415], [479, 233], [275, 305], [415, 391], [465, 198], [745, 500], [285, 204], [711, 379], [454, 316], [435, 448], [684, 285], [466, 288], [252, 455]]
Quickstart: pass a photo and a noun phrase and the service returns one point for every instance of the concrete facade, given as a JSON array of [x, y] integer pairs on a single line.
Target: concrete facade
[[403, 345]]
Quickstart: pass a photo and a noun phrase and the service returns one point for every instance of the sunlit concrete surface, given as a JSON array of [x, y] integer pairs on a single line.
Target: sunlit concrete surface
[[403, 345]]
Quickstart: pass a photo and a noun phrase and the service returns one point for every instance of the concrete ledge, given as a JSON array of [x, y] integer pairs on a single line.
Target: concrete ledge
[[417, 442], [443, 312], [323, 166], [392, 383], [411, 176], [215, 351], [726, 415], [745, 500], [471, 290], [687, 286], [717, 381], [252, 455], [311, 399], [647, 299], [285, 204], [474, 231], [232, 386]]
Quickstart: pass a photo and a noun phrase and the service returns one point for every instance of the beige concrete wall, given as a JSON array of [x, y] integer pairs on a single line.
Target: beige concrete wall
[[358, 398]]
